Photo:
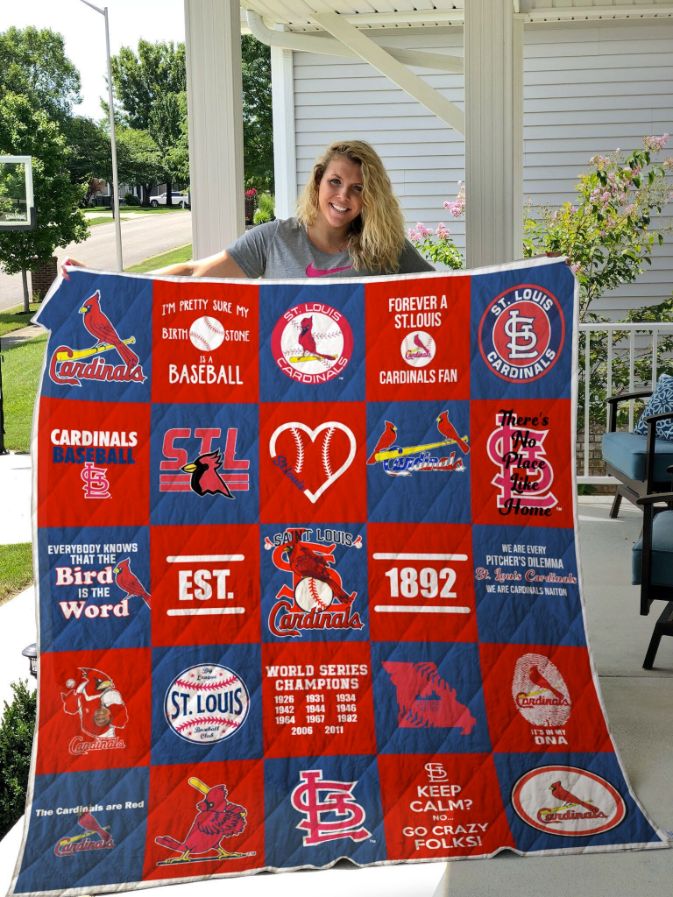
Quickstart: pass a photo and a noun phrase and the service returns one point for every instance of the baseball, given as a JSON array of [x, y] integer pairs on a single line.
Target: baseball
[[206, 334], [312, 593], [206, 704]]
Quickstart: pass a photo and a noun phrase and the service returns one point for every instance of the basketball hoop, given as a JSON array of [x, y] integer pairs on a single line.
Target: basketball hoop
[[17, 207]]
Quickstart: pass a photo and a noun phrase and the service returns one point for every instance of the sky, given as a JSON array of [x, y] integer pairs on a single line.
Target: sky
[[84, 33]]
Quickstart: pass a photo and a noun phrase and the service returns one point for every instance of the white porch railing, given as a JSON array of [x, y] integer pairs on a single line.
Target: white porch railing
[[635, 342]]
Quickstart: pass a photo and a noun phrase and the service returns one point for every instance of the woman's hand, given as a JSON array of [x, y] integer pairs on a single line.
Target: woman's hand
[[72, 263]]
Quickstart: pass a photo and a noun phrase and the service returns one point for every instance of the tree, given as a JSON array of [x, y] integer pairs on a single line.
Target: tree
[[149, 85], [90, 161], [27, 131], [16, 738], [33, 64], [257, 113], [139, 160]]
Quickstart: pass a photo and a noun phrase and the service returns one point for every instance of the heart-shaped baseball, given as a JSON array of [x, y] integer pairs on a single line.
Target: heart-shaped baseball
[[313, 458]]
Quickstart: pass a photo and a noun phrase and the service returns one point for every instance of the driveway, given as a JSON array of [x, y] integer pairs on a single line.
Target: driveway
[[143, 236]]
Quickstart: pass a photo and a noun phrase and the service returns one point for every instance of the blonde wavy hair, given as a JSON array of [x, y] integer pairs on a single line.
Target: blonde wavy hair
[[376, 236]]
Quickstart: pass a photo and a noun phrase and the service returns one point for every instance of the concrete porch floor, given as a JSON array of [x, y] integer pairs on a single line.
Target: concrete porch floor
[[639, 707]]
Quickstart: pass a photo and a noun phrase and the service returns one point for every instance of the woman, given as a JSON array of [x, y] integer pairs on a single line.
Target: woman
[[348, 224]]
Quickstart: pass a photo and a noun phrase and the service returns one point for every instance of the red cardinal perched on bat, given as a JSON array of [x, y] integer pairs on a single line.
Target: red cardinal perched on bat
[[447, 430], [101, 327], [541, 681], [128, 582], [217, 818], [205, 478], [567, 797], [386, 439], [307, 340]]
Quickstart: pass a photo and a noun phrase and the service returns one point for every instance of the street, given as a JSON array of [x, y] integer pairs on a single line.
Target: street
[[143, 236]]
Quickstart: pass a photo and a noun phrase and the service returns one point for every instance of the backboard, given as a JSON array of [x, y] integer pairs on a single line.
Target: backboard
[[17, 209]]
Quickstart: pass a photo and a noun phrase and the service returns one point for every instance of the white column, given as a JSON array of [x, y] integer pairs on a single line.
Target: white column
[[493, 132], [284, 152], [214, 92]]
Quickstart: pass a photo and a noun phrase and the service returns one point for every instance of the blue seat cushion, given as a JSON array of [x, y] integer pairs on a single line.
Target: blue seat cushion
[[628, 451], [662, 551]]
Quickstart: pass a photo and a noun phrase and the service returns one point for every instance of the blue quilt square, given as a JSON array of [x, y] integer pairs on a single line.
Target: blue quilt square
[[206, 703], [523, 345], [527, 585], [321, 809], [98, 350], [94, 588], [312, 342], [558, 801], [205, 464], [86, 829], [418, 462], [429, 698], [314, 582]]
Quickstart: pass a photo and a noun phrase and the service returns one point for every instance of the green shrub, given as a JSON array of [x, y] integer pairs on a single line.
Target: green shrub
[[131, 199], [265, 208], [16, 740]]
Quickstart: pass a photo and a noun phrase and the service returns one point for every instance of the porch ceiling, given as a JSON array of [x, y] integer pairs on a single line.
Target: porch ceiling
[[299, 15]]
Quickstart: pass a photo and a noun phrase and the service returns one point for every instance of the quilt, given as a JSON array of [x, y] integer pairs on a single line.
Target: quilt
[[308, 580]]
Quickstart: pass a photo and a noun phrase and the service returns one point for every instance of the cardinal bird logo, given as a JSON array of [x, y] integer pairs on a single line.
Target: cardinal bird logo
[[217, 819], [205, 477], [100, 708], [537, 678], [305, 562], [569, 799], [93, 837], [101, 327], [385, 440], [128, 582], [448, 431]]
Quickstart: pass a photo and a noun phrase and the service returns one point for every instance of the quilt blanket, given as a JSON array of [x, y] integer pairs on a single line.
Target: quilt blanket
[[308, 580]]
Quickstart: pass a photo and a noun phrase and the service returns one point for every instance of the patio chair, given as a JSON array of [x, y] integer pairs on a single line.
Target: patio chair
[[639, 462], [652, 559]]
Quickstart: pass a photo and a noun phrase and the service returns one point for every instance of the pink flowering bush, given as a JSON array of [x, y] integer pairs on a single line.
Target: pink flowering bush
[[607, 232], [438, 245]]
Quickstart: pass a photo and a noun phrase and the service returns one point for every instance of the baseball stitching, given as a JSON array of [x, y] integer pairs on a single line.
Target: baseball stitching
[[201, 340], [326, 466], [300, 450], [313, 591], [207, 721], [209, 686], [218, 331]]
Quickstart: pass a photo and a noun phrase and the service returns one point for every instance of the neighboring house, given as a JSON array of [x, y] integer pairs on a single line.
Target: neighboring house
[[587, 89]]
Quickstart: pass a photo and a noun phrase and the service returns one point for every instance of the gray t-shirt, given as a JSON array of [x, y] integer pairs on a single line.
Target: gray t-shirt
[[281, 249]]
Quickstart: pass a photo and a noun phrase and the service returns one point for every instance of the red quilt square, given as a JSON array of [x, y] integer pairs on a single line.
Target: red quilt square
[[205, 819], [442, 805], [312, 462], [93, 463], [205, 583], [417, 346], [521, 471], [205, 342], [421, 582], [538, 698], [317, 699], [94, 710]]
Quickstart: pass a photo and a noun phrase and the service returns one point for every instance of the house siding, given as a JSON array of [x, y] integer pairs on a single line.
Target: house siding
[[587, 89]]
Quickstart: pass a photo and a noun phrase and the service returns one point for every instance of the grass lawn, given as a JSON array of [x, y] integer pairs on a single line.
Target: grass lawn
[[15, 318], [21, 369], [16, 569], [181, 254]]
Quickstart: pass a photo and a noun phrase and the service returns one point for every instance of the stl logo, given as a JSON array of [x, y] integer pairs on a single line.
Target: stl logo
[[565, 800], [345, 816], [521, 333], [418, 348], [210, 469], [317, 599], [403, 461], [539, 691], [69, 366], [94, 837], [312, 343], [96, 483], [206, 703], [101, 710], [425, 699], [526, 476], [217, 819], [312, 459]]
